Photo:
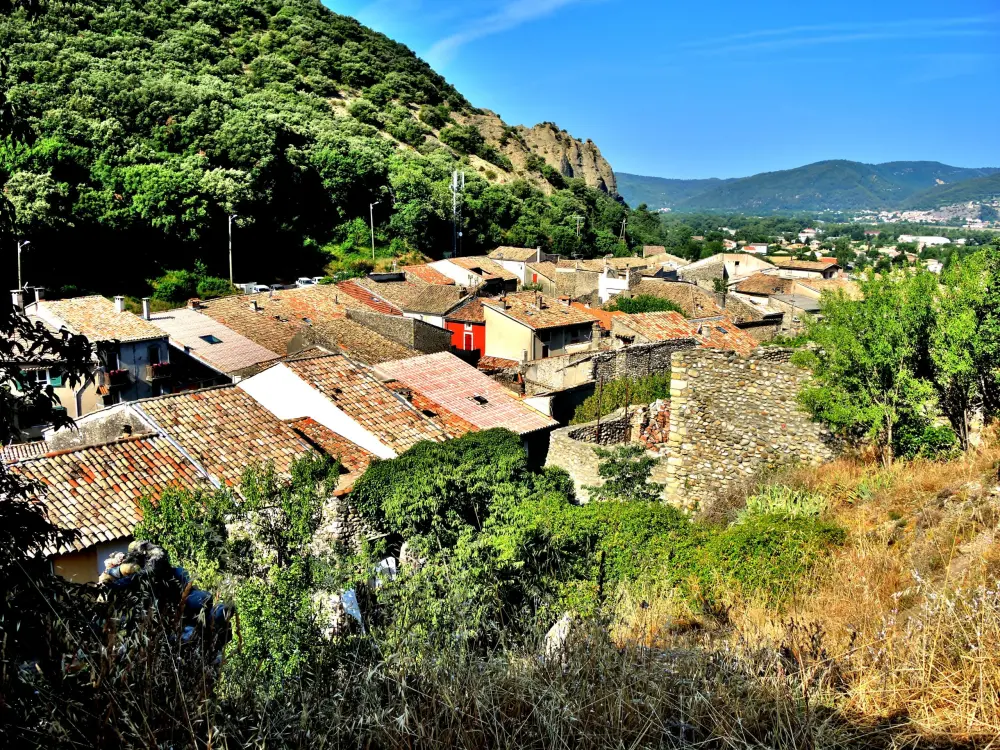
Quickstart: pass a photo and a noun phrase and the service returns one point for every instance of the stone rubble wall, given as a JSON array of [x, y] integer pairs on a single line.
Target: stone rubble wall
[[638, 360], [731, 418], [572, 448]]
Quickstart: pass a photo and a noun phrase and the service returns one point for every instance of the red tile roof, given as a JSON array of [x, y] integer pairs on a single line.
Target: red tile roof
[[97, 318], [356, 392], [524, 308], [225, 430], [353, 458], [368, 298], [486, 268], [719, 333], [723, 334], [603, 316], [453, 425], [493, 364], [471, 311], [803, 265], [466, 392], [427, 274], [96, 489], [765, 284]]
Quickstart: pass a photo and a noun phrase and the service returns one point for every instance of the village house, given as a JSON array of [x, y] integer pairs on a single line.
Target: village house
[[713, 333], [529, 325], [429, 303], [477, 398], [544, 276], [516, 260], [346, 398], [94, 474], [694, 301], [726, 267], [792, 268], [133, 355], [477, 271], [756, 248], [426, 274], [467, 324]]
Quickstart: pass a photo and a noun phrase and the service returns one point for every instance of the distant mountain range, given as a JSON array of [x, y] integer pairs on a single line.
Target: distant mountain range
[[837, 185]]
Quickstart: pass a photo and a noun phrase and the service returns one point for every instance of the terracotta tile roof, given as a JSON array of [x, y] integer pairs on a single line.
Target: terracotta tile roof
[[466, 392], [20, 451], [719, 333], [224, 430], [648, 250], [471, 311], [230, 353], [627, 262], [96, 489], [427, 274], [494, 364], [514, 253], [359, 342], [523, 307], [356, 392], [452, 424], [353, 458], [362, 291], [546, 269], [802, 265], [484, 266], [657, 326], [603, 316], [801, 301], [765, 284], [280, 316], [693, 301], [850, 288], [96, 318], [416, 297], [723, 334]]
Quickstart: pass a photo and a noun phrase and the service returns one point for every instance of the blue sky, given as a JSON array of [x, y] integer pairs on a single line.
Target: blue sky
[[723, 88]]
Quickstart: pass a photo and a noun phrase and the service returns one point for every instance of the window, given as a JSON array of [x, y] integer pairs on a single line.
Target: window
[[210, 339], [41, 376], [481, 400], [153, 355]]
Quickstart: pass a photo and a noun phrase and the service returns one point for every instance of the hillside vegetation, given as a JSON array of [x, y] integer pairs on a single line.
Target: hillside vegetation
[[141, 126], [827, 185]]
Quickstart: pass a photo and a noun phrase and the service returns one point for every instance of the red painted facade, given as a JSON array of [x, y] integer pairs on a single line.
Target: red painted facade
[[467, 336]]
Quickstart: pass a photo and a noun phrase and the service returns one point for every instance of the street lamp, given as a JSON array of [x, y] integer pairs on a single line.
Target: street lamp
[[20, 247], [231, 217], [371, 217]]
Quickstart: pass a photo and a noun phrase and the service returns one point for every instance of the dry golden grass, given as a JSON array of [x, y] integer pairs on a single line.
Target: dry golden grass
[[907, 613]]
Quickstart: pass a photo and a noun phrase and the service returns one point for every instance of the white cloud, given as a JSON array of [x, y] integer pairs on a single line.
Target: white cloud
[[511, 15], [839, 33]]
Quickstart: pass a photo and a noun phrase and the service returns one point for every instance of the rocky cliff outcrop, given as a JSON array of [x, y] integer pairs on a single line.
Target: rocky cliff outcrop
[[571, 156]]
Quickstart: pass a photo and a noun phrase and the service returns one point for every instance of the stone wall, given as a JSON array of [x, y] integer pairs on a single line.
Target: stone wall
[[638, 360], [732, 417], [703, 274], [410, 332], [572, 449]]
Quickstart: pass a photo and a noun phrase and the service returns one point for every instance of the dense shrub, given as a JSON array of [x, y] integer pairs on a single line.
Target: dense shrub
[[643, 303], [612, 396]]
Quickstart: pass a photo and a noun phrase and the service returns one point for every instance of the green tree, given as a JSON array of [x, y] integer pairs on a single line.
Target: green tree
[[965, 339], [626, 470], [872, 363]]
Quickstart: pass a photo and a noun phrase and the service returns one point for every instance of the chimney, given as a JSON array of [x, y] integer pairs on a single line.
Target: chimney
[[524, 355], [119, 304], [17, 298], [145, 308], [39, 293], [194, 303], [254, 306]]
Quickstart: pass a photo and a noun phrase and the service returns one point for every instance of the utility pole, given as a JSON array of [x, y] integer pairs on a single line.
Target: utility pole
[[457, 186], [20, 247], [371, 218], [231, 217], [579, 222], [621, 237]]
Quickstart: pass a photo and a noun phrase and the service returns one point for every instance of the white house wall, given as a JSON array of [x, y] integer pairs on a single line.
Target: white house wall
[[459, 275], [287, 396]]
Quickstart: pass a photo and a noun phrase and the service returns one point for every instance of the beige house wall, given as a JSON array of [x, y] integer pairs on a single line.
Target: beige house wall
[[509, 339], [79, 567]]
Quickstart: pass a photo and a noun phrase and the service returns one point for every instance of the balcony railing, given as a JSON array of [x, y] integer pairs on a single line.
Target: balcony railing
[[159, 371], [115, 378]]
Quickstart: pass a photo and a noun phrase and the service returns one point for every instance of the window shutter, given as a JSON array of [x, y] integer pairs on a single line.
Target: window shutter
[[56, 381]]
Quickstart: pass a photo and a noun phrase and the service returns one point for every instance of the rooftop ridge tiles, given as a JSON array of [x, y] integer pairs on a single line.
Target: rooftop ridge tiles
[[88, 446]]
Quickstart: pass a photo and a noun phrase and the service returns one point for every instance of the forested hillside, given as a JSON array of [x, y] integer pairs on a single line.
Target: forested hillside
[[980, 190], [837, 185], [141, 126]]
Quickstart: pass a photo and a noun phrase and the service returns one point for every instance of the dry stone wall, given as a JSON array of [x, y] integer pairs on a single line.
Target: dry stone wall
[[732, 417]]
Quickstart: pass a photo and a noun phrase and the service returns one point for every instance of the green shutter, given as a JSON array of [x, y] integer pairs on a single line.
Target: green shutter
[[56, 381]]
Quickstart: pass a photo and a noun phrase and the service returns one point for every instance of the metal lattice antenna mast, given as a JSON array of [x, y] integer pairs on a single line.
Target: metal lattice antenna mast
[[579, 221], [621, 237], [457, 186]]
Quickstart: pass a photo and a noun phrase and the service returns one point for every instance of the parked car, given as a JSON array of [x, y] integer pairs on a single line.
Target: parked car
[[304, 281], [259, 288]]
